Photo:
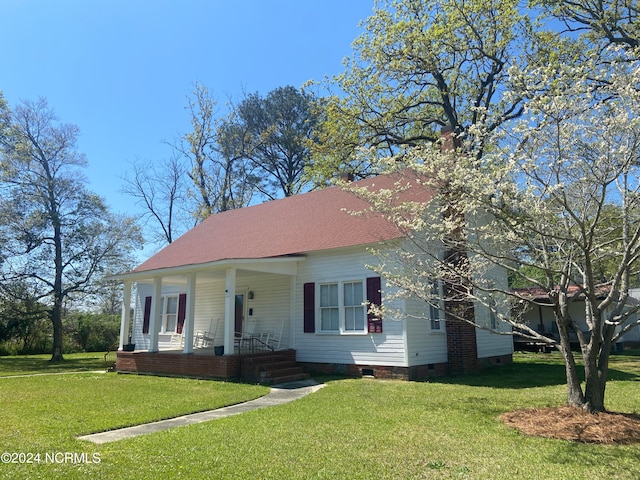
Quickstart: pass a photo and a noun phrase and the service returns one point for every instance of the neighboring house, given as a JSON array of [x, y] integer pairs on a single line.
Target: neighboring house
[[541, 317], [290, 275]]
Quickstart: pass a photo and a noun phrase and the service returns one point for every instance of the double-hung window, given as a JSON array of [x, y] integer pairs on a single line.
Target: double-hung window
[[169, 314], [354, 307], [342, 307], [434, 304], [329, 308], [493, 317]]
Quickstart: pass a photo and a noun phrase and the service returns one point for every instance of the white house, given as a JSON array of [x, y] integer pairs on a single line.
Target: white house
[[541, 316], [289, 278]]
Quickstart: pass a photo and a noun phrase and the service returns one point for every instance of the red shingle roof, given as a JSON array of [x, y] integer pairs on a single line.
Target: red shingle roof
[[318, 220]]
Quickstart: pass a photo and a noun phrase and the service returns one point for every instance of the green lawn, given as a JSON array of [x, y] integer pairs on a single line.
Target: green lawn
[[31, 364], [353, 428]]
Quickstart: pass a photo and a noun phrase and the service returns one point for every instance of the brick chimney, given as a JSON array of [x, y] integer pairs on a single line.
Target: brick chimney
[[347, 177], [462, 348], [450, 138]]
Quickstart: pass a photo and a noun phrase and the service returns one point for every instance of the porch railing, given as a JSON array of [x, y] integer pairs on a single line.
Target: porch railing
[[253, 344]]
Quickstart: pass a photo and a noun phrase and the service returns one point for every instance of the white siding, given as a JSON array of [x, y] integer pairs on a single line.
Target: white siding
[[406, 340], [142, 340], [270, 306], [424, 346], [386, 348], [492, 344]]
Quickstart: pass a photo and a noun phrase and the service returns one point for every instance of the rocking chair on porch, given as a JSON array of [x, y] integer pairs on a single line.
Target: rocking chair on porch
[[244, 338], [206, 339], [274, 338], [177, 340]]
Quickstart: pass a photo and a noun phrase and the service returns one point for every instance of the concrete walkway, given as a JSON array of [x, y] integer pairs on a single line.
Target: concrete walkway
[[284, 393]]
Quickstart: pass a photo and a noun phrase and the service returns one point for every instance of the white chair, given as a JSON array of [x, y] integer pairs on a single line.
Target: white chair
[[264, 336], [275, 338], [243, 337], [206, 339]]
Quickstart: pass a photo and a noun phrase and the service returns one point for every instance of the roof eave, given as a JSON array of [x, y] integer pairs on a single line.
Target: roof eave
[[285, 265]]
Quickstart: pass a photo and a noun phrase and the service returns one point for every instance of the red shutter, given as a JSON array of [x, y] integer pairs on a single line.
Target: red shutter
[[374, 297], [182, 310], [309, 307], [147, 315]]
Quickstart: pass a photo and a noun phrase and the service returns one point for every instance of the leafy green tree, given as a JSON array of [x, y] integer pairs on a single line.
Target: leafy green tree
[[280, 128], [23, 319], [421, 65], [538, 176], [95, 332], [556, 204], [58, 236], [239, 178], [604, 22]]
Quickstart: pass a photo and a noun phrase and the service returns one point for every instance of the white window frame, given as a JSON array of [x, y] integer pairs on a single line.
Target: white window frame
[[342, 308], [494, 323], [435, 314], [164, 315]]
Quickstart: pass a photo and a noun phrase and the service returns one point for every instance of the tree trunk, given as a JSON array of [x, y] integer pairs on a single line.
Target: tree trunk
[[596, 360], [596, 364], [594, 390], [56, 320], [58, 295], [575, 396]]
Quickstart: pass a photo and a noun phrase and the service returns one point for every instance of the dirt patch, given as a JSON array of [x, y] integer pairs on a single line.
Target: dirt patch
[[570, 423]]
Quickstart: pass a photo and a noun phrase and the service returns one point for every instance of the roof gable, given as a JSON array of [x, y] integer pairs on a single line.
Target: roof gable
[[314, 221]]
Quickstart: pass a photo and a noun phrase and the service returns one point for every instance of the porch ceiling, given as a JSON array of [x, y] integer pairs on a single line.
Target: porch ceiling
[[217, 270]]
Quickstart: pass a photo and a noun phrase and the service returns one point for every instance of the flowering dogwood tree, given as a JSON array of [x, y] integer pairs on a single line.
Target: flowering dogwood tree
[[555, 204]]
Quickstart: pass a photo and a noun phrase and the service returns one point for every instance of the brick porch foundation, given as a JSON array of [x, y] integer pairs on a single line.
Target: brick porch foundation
[[179, 364]]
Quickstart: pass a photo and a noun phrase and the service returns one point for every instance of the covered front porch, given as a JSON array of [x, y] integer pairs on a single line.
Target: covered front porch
[[178, 320]]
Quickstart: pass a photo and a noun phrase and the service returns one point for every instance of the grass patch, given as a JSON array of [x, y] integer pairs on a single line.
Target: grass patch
[[32, 364], [353, 428]]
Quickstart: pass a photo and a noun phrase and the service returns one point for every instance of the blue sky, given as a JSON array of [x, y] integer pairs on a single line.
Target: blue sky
[[121, 70]]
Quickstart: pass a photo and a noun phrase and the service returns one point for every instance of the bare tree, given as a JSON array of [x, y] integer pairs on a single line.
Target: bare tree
[[57, 235], [220, 177], [161, 192]]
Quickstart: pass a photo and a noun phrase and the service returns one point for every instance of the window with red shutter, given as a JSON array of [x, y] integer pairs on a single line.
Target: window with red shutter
[[182, 310], [147, 315], [374, 297], [309, 307], [343, 315]]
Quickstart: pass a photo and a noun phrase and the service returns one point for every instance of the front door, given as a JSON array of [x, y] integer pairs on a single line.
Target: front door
[[239, 314]]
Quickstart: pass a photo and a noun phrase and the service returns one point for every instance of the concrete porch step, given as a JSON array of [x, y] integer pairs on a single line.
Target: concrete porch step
[[287, 378], [281, 371]]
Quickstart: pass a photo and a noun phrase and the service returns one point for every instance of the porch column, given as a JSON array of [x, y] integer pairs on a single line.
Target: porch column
[[154, 327], [229, 311], [125, 317], [292, 312], [189, 314]]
